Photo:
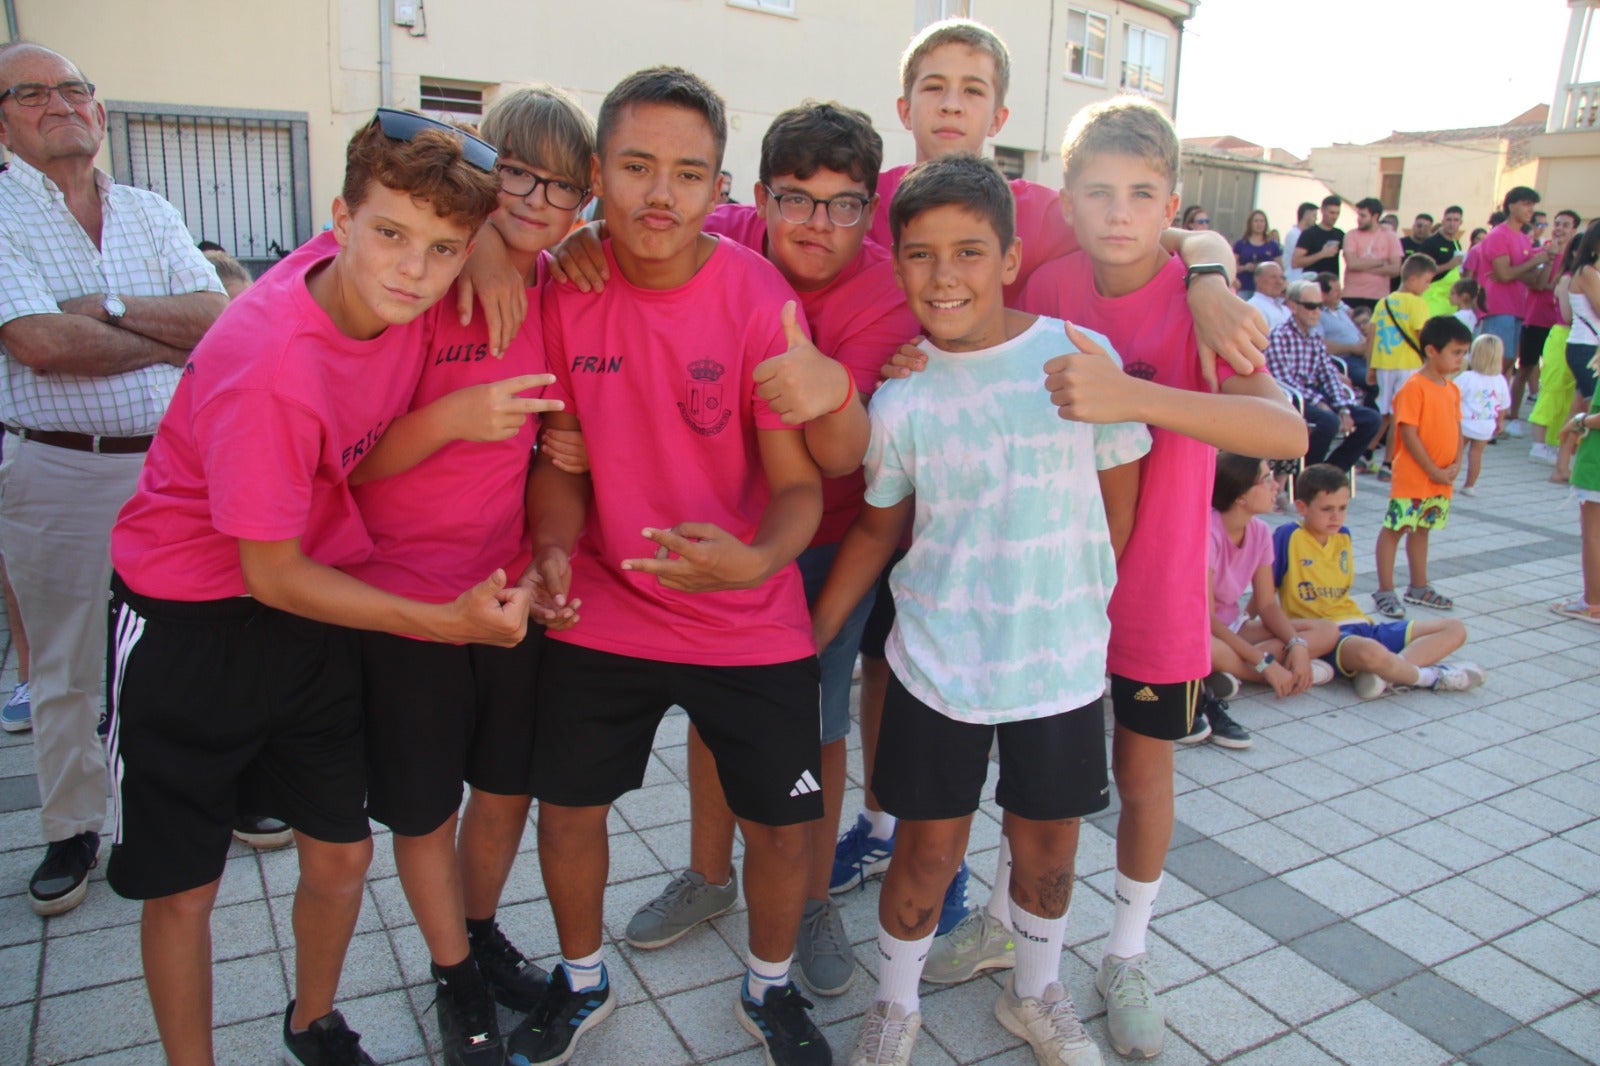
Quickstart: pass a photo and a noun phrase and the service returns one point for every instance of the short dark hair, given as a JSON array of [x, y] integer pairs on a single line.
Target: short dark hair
[[1418, 263], [1577, 219], [1465, 287], [1423, 214], [665, 85], [1370, 204], [1333, 199], [1454, 209], [1497, 218], [822, 136], [430, 166], [1300, 212], [1235, 476], [1520, 194], [1440, 330], [1327, 280], [1318, 478], [962, 180]]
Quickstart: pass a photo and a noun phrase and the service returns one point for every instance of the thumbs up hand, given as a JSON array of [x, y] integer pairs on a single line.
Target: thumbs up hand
[[802, 383]]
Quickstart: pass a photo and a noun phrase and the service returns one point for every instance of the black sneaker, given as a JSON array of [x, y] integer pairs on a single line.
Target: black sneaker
[[62, 880], [515, 981], [1225, 732], [328, 1041], [549, 1034], [783, 1025], [1199, 732], [469, 1031]]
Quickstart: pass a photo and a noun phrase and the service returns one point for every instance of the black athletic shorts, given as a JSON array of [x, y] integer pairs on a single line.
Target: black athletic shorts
[[881, 620], [1164, 712], [596, 714], [931, 767], [219, 708], [441, 714], [1531, 346]]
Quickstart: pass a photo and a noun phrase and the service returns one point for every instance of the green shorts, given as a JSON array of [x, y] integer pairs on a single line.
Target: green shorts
[[1406, 514]]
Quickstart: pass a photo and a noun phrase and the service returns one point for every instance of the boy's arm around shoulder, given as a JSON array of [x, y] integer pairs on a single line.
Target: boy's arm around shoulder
[[702, 557]]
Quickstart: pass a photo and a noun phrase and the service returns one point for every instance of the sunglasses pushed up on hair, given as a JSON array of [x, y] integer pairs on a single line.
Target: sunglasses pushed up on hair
[[405, 125]]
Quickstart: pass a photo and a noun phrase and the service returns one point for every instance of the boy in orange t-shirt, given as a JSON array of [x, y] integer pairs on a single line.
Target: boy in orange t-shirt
[[1427, 412]]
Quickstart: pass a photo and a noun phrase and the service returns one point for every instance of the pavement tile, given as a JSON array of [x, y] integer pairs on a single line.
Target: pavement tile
[[1355, 957], [19, 974], [1397, 867], [1417, 931], [1213, 935], [1210, 868], [1577, 1028], [1526, 885], [1214, 811], [87, 960], [1498, 979], [1565, 860], [122, 1019], [1289, 986], [1304, 738], [1361, 1033], [1218, 1019], [1377, 812], [1448, 847], [1445, 1014], [1582, 918], [1429, 797], [961, 1017], [1472, 781], [1339, 887], [1292, 1050], [1277, 909], [1524, 1047], [1546, 812], [1331, 831], [1493, 827], [1555, 952], [1261, 795], [1313, 779], [1268, 847]]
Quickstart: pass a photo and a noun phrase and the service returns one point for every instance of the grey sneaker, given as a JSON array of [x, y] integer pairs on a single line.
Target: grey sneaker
[[686, 902], [827, 965], [978, 942], [1458, 677], [1133, 1018], [1368, 685], [1050, 1025], [887, 1036]]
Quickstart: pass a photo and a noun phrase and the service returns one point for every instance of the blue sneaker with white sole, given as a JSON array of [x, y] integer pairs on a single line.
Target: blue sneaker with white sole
[[17, 714], [858, 856]]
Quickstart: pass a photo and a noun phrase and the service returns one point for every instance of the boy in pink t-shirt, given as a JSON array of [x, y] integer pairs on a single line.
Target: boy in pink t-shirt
[[1126, 286], [681, 548], [1506, 264], [234, 671]]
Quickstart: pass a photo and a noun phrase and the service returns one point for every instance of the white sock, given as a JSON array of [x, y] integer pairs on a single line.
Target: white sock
[[1136, 901], [1426, 676], [1000, 899], [585, 973], [880, 823], [900, 968], [1038, 943], [760, 975]]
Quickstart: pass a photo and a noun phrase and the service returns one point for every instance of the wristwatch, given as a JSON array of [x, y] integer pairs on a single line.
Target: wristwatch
[[115, 308], [1297, 641], [1200, 270], [1266, 661]]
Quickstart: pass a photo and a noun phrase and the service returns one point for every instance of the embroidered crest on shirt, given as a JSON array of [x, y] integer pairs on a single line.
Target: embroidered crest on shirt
[[703, 406]]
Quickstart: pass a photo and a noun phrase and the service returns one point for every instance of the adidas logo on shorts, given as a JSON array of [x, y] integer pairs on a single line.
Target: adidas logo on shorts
[[805, 785], [1145, 695]]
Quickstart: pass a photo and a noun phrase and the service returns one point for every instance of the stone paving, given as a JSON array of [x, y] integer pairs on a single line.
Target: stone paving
[[1408, 881]]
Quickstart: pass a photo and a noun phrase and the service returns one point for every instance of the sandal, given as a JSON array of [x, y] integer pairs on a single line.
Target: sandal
[[1427, 596], [1388, 604], [1577, 609]]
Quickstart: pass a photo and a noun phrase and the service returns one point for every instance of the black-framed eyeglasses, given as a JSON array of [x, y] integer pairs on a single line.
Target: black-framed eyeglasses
[[1311, 307], [33, 94], [405, 125], [561, 195], [798, 208]]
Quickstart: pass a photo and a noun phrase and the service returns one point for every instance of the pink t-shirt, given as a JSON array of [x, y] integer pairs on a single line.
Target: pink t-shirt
[[445, 524], [662, 382], [1542, 309], [275, 408], [1233, 567], [1160, 614], [1041, 225], [859, 318], [1503, 297], [1378, 244]]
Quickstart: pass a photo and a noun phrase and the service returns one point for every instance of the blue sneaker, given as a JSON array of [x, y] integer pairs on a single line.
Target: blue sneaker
[[17, 714], [858, 856], [955, 901]]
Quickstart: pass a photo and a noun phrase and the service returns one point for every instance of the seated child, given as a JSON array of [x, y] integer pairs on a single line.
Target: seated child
[[973, 656], [1263, 645], [1313, 566]]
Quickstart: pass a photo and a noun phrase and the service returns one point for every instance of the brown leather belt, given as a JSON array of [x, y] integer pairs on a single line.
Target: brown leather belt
[[83, 442]]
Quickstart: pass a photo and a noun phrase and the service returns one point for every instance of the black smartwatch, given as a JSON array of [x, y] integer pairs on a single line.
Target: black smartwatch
[[1200, 270]]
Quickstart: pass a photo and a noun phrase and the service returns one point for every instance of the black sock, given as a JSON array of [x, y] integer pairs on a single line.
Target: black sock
[[480, 929], [462, 973]]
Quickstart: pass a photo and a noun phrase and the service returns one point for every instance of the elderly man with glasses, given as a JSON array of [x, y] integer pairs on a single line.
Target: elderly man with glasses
[[1297, 356], [102, 295]]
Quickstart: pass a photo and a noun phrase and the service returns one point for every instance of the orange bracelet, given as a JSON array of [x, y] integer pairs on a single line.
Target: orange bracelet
[[849, 394]]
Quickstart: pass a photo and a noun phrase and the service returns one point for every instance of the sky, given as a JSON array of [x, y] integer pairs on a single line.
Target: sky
[[1241, 60]]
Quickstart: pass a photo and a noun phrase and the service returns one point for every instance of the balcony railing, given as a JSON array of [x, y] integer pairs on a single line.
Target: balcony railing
[[1581, 109]]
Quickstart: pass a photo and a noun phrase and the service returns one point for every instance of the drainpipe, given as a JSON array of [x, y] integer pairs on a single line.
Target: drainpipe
[[11, 21], [1177, 79], [385, 52]]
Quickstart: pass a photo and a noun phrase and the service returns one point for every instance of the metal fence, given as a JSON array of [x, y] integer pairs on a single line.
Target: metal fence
[[239, 178]]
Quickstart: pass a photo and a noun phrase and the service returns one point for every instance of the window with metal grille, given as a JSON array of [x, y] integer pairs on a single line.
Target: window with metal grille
[[451, 102], [1086, 44], [240, 178], [1011, 161]]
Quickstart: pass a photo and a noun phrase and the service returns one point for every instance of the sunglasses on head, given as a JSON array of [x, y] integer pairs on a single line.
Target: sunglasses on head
[[405, 125], [1311, 307]]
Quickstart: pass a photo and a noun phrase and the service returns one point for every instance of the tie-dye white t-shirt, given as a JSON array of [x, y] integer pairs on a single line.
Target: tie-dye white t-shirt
[[1001, 602]]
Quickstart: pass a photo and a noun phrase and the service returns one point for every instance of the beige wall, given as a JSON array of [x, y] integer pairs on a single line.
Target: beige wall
[[1471, 174], [1569, 164], [321, 57]]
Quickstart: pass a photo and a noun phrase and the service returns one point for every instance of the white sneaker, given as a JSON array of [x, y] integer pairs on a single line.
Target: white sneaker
[[1368, 685], [1458, 677], [1544, 453], [888, 1033], [1516, 428], [1050, 1025], [1321, 672], [1134, 1020]]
